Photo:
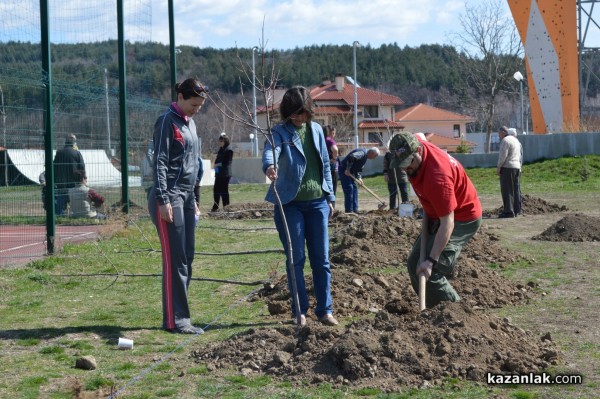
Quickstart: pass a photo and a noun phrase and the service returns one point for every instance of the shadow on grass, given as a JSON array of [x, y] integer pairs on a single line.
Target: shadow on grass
[[111, 332]]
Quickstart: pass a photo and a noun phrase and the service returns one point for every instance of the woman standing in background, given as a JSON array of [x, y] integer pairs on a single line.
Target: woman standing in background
[[222, 173]]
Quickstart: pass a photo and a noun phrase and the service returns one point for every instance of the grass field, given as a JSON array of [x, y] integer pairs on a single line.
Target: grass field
[[48, 317]]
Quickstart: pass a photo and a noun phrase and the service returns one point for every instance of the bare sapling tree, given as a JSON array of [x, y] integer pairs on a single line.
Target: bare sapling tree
[[490, 53], [264, 82]]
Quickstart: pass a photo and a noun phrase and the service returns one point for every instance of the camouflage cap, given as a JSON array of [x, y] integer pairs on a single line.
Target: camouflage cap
[[402, 146]]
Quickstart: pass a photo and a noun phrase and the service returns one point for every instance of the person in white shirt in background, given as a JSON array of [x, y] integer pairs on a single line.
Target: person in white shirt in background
[[510, 160]]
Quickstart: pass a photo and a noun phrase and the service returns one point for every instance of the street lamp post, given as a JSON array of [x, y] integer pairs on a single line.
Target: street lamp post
[[252, 138], [355, 45], [255, 142], [519, 76]]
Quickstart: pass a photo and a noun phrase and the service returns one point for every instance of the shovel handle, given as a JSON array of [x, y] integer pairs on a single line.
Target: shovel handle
[[368, 190], [422, 281]]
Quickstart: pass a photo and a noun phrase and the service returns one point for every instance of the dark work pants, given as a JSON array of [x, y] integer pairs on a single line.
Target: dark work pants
[[510, 189], [221, 191], [393, 194], [438, 288]]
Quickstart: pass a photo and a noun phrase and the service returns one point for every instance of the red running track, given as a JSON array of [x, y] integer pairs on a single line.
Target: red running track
[[22, 244]]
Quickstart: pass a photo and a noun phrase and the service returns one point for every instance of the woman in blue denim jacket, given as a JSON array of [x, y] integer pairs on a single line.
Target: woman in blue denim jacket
[[297, 163]]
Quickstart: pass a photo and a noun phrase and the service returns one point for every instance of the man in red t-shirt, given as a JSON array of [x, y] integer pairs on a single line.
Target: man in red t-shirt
[[452, 212]]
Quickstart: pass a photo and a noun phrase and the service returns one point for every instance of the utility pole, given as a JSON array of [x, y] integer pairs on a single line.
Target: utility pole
[[107, 113], [355, 45]]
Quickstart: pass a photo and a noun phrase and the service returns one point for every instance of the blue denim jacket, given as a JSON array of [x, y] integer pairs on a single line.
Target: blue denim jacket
[[291, 162]]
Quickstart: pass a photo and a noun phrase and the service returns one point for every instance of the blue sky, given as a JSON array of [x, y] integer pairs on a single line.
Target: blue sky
[[298, 23], [230, 23]]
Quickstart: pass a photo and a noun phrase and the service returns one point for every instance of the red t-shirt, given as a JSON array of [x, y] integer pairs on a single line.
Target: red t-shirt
[[443, 186]]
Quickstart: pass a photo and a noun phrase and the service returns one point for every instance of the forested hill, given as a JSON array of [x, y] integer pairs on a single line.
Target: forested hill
[[389, 67]]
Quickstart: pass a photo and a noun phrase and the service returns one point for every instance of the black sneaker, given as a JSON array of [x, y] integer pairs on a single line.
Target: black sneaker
[[187, 330], [505, 215]]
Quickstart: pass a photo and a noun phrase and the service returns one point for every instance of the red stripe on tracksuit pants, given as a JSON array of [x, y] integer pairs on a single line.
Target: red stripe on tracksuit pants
[[177, 243]]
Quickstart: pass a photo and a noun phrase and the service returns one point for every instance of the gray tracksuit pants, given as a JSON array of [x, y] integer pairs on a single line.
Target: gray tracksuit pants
[[177, 244]]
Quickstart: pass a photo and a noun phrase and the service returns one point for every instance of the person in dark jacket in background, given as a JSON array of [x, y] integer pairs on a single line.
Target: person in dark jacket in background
[[396, 179], [68, 166], [352, 166], [171, 201], [222, 173]]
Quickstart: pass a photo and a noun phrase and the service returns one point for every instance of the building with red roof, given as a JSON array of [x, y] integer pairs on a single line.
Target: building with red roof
[[425, 118], [378, 114]]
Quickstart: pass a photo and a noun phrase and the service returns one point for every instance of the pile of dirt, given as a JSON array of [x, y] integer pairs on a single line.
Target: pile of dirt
[[530, 206], [368, 255], [398, 347], [390, 344], [259, 210], [576, 227]]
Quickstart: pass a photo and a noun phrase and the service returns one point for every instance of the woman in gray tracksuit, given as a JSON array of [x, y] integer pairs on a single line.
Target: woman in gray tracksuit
[[171, 201]]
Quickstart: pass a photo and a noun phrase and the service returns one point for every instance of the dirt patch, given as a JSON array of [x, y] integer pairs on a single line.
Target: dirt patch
[[258, 210], [398, 347], [530, 206], [390, 344], [576, 228]]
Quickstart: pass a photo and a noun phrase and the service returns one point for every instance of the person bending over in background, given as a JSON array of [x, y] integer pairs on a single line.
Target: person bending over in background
[[171, 201], [350, 171], [298, 165], [222, 173]]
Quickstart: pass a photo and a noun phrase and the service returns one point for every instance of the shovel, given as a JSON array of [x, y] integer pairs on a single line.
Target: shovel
[[382, 203], [422, 279]]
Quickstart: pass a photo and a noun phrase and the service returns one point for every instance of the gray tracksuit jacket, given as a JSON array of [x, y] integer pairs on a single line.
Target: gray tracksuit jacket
[[175, 155]]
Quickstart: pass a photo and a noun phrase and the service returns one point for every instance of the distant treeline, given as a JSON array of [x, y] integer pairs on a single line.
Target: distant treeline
[[388, 67]]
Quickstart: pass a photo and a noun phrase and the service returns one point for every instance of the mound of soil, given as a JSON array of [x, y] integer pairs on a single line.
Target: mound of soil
[[398, 347], [530, 206], [576, 228], [368, 255], [260, 210], [390, 344]]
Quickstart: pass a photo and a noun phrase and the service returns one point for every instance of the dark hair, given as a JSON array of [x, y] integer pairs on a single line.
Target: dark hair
[[225, 140], [71, 139], [191, 88], [295, 101], [328, 130], [503, 129]]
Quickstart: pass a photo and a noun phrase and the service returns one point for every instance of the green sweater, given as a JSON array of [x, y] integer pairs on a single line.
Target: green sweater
[[310, 188]]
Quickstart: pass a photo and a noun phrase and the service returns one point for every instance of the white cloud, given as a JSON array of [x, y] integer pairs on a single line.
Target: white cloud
[[292, 23]]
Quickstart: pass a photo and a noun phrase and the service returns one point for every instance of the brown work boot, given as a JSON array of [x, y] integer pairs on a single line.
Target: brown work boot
[[329, 320]]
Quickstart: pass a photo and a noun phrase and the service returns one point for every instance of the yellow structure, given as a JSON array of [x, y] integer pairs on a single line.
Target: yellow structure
[[548, 31]]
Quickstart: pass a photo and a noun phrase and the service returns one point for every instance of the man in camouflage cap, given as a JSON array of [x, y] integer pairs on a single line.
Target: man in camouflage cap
[[452, 212]]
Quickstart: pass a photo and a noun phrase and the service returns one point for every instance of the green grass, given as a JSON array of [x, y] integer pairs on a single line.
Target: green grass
[[48, 320]]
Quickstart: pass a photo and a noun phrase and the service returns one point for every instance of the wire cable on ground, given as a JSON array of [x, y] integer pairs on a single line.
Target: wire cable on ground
[[260, 251], [117, 275]]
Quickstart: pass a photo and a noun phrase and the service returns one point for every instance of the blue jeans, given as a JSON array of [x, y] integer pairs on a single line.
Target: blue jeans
[[62, 199], [350, 192], [307, 223]]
